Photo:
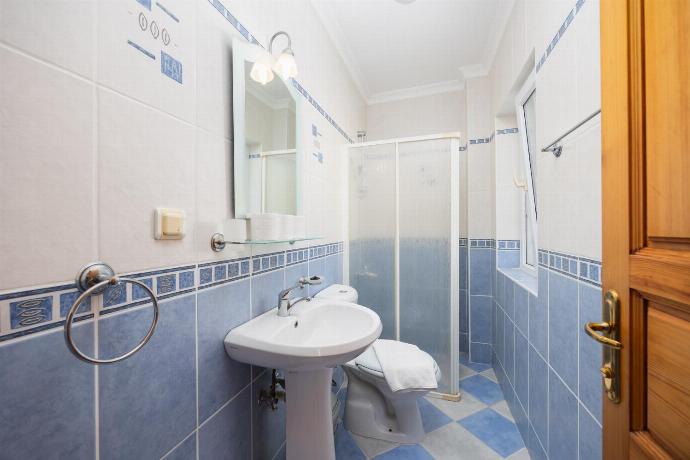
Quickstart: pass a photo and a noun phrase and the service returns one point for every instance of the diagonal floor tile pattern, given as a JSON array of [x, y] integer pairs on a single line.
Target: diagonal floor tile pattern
[[478, 427]]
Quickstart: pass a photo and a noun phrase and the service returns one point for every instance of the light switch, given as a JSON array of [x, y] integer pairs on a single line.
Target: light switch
[[169, 224]]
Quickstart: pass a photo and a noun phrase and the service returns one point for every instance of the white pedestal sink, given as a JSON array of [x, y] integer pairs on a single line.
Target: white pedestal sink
[[317, 336]]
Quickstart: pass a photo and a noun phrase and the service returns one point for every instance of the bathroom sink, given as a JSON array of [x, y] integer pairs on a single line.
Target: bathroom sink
[[307, 344], [317, 334]]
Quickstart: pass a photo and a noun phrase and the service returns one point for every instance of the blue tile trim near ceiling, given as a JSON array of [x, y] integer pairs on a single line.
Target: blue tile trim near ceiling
[[35, 310], [252, 39], [560, 33]]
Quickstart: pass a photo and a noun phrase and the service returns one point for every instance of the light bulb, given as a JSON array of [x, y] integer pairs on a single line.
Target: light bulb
[[286, 66], [261, 72]]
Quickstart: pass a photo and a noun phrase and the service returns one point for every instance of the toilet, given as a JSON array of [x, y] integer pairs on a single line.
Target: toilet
[[372, 409]]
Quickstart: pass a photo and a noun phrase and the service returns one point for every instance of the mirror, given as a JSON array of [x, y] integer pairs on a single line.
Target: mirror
[[266, 142]]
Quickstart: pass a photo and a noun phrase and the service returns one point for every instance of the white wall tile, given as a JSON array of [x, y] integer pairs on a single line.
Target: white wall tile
[[46, 173], [146, 160], [131, 72], [61, 32]]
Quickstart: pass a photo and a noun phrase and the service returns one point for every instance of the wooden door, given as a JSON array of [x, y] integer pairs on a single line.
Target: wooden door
[[645, 55]]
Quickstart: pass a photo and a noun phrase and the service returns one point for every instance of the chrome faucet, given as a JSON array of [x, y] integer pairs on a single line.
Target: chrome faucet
[[284, 302]]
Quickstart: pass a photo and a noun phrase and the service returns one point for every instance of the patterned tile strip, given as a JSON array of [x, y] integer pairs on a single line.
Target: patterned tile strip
[[30, 311]]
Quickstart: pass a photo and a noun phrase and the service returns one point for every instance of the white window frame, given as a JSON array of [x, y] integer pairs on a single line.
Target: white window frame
[[528, 87]]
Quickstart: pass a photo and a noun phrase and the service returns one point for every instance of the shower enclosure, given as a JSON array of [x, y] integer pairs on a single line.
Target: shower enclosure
[[403, 241]]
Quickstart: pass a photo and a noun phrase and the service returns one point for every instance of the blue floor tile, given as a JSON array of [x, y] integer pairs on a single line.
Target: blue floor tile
[[432, 418], [406, 452], [485, 390], [495, 431], [345, 446], [477, 367]]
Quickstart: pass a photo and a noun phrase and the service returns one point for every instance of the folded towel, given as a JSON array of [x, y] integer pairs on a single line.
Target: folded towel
[[405, 366]]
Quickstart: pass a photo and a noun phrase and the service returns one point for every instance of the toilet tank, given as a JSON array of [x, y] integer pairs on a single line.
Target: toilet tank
[[339, 292]]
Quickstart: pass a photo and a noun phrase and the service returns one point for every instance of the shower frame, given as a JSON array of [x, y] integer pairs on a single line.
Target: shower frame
[[454, 232]]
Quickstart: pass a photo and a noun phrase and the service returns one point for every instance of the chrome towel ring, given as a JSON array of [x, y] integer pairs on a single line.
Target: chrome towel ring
[[93, 279]]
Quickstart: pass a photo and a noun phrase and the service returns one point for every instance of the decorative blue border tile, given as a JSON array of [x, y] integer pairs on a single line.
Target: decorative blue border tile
[[506, 131], [33, 310], [579, 268], [482, 243], [508, 244], [560, 33]]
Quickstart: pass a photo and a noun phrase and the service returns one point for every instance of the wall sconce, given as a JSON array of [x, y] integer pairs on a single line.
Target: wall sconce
[[285, 65]]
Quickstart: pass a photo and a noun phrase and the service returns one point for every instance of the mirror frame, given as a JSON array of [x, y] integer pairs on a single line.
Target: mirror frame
[[247, 52]]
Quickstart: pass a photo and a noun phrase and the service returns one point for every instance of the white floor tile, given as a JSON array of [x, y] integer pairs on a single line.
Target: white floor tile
[[502, 408], [453, 442], [490, 374], [465, 372], [373, 447], [521, 454], [457, 410]]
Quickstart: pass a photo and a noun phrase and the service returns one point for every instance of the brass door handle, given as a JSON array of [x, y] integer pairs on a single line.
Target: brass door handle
[[591, 328]]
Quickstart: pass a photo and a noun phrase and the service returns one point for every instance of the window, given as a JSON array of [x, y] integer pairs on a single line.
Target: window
[[525, 108]]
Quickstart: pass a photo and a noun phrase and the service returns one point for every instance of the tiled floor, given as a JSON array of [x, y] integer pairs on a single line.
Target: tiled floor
[[479, 427]]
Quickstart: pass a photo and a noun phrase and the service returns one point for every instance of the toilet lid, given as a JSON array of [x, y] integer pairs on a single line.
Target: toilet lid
[[368, 362]]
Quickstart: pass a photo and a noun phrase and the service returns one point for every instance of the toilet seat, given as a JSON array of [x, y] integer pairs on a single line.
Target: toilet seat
[[369, 363]]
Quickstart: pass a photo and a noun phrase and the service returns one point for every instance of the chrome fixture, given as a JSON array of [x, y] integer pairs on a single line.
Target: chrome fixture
[[284, 302], [285, 65], [94, 279], [217, 242], [610, 339], [555, 146]]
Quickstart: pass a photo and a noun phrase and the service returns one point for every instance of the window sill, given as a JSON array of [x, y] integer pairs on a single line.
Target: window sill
[[521, 277]]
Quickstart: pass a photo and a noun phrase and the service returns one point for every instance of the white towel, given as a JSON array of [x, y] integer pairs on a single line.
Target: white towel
[[405, 366]]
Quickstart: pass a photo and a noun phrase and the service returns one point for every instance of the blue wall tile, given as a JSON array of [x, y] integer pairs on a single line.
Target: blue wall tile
[[166, 284], [538, 315], [522, 309], [265, 290], [268, 427], [228, 433], [156, 387], [330, 271], [480, 271], [138, 292], [186, 279], [562, 421], [590, 391], [509, 360], [480, 319], [464, 311], [185, 451], [220, 377], [500, 289], [67, 300], [563, 327], [536, 451], [47, 398], [521, 382], [480, 352], [508, 258], [509, 297], [114, 295], [538, 391], [590, 437], [462, 260]]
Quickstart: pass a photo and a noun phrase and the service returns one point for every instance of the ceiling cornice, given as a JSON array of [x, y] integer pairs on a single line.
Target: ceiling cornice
[[330, 23], [491, 47], [334, 31], [416, 91]]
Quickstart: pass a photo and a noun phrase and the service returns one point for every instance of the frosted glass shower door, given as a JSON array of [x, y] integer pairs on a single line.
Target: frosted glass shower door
[[428, 235], [372, 220]]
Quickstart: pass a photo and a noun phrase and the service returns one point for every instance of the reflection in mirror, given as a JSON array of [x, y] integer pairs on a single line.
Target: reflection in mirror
[[270, 145]]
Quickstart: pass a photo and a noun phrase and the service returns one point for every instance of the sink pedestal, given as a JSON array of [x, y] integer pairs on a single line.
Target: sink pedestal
[[309, 418]]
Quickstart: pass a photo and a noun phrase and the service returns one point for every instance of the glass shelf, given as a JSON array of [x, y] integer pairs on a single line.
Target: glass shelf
[[291, 241]]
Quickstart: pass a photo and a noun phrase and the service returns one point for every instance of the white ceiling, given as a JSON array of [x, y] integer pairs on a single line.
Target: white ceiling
[[395, 51]]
